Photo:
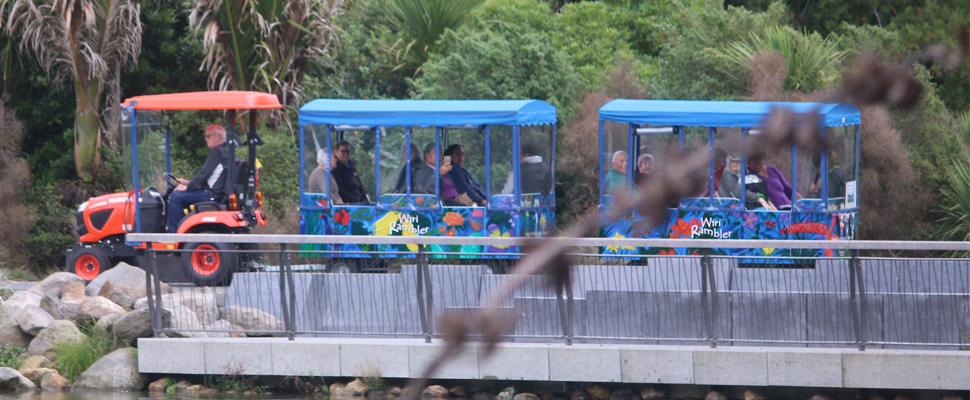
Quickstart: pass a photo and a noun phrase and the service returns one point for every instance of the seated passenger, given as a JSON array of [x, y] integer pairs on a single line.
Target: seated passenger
[[423, 174], [317, 183], [643, 170], [536, 176], [779, 191], [399, 187], [616, 177], [463, 180], [208, 184], [731, 186], [836, 179], [351, 190]]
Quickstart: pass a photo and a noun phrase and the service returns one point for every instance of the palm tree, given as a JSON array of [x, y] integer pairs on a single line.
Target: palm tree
[[421, 23], [86, 42], [813, 62], [263, 45]]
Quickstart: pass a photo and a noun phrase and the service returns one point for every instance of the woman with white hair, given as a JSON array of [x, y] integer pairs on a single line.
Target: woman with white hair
[[317, 183]]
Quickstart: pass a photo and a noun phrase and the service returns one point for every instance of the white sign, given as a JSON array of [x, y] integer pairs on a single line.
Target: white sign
[[851, 197]]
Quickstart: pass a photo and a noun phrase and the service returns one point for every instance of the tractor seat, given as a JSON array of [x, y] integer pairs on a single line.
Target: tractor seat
[[209, 206]]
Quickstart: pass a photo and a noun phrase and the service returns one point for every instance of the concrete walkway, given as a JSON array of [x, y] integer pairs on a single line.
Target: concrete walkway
[[692, 365]]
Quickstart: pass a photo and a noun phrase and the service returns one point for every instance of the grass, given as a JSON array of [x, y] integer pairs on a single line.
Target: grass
[[12, 356], [74, 357]]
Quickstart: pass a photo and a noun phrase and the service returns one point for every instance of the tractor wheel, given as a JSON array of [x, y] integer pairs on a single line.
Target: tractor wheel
[[209, 264], [88, 262], [343, 266]]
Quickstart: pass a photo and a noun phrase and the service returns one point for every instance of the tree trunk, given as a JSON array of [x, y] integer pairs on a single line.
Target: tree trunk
[[87, 134]]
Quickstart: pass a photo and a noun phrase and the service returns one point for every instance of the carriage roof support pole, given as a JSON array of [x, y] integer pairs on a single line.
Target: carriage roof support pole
[[134, 159], [327, 184], [377, 161], [858, 146], [488, 164], [823, 177], [552, 163], [710, 176], [744, 170], [794, 174], [437, 164], [630, 163], [516, 170], [407, 162], [302, 160]]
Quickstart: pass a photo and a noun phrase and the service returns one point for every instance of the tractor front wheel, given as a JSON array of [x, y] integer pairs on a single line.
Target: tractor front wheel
[[209, 264], [88, 262]]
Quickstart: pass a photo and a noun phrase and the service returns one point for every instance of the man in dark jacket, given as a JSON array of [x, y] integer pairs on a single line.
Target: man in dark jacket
[[536, 174], [464, 182], [351, 190], [207, 184]]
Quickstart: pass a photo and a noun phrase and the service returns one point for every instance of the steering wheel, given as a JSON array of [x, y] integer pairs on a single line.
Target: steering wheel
[[170, 179]]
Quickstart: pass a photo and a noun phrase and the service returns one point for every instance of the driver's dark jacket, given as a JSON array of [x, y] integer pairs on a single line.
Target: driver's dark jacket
[[348, 183], [219, 155]]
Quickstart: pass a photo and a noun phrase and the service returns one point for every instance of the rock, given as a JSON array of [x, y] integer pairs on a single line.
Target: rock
[[598, 392], [624, 393], [116, 371], [121, 294], [434, 392], [223, 325], [58, 331], [52, 284], [133, 324], [13, 304], [157, 387], [396, 392], [715, 395], [458, 391], [32, 319], [819, 396], [182, 385], [12, 381], [10, 332], [579, 395], [525, 396], [506, 394], [183, 318], [51, 305], [251, 319], [750, 395], [652, 393], [34, 374], [34, 362], [194, 389], [95, 308], [205, 304], [356, 387], [54, 382], [337, 389], [73, 293], [122, 273]]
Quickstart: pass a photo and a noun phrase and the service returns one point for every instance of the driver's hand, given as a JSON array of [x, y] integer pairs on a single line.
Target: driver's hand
[[181, 187], [183, 181]]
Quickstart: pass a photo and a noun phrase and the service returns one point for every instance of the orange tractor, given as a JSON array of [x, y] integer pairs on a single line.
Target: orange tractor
[[103, 221]]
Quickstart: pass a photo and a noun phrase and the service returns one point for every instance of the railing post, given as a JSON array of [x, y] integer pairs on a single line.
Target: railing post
[[151, 282], [858, 297], [566, 310], [423, 302], [284, 297], [709, 284]]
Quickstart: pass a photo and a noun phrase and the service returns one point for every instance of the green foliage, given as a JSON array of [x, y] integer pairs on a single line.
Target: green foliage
[[855, 39], [376, 383], [500, 64], [954, 203], [420, 23], [12, 356], [279, 177], [170, 385], [54, 210], [169, 62], [594, 36], [74, 357], [813, 62]]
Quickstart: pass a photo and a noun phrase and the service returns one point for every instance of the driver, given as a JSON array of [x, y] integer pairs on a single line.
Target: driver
[[208, 183]]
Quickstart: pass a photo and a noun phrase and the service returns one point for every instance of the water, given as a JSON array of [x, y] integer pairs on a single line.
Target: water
[[146, 396]]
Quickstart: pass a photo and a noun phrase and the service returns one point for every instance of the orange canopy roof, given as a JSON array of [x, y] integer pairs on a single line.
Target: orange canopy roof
[[223, 100]]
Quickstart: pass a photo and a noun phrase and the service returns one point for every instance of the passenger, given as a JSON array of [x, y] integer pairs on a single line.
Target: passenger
[[317, 183], [402, 176], [351, 190], [536, 175], [208, 183], [779, 191], [616, 177], [423, 174], [720, 154], [644, 169], [463, 180], [836, 179], [731, 186]]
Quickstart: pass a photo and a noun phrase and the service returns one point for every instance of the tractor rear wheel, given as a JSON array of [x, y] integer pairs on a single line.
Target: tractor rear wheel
[[209, 264], [88, 262]]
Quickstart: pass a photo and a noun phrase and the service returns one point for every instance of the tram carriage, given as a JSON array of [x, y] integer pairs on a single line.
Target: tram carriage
[[653, 126], [385, 134]]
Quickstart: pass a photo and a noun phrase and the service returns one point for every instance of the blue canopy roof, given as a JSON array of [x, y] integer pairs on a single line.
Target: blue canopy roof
[[426, 112], [745, 114]]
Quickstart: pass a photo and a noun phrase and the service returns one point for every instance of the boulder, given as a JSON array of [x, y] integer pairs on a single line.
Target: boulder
[[823, 396], [52, 305], [356, 387], [19, 300], [227, 329], [251, 319], [54, 382], [116, 371], [624, 393], [133, 324], [95, 308], [750, 395], [11, 381], [58, 331], [34, 362], [579, 395], [205, 303], [525, 396], [32, 319], [183, 318], [34, 374], [458, 391], [122, 273], [598, 392], [434, 392], [73, 293], [121, 294], [10, 332], [506, 394], [157, 387], [52, 284], [337, 389], [652, 393], [715, 395]]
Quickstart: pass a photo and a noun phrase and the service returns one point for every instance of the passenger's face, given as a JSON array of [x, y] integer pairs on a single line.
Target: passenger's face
[[736, 165], [646, 167], [458, 156], [756, 163], [343, 154], [620, 165]]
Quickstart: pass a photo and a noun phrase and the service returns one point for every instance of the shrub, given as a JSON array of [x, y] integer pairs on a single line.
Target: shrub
[[12, 356], [74, 357]]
